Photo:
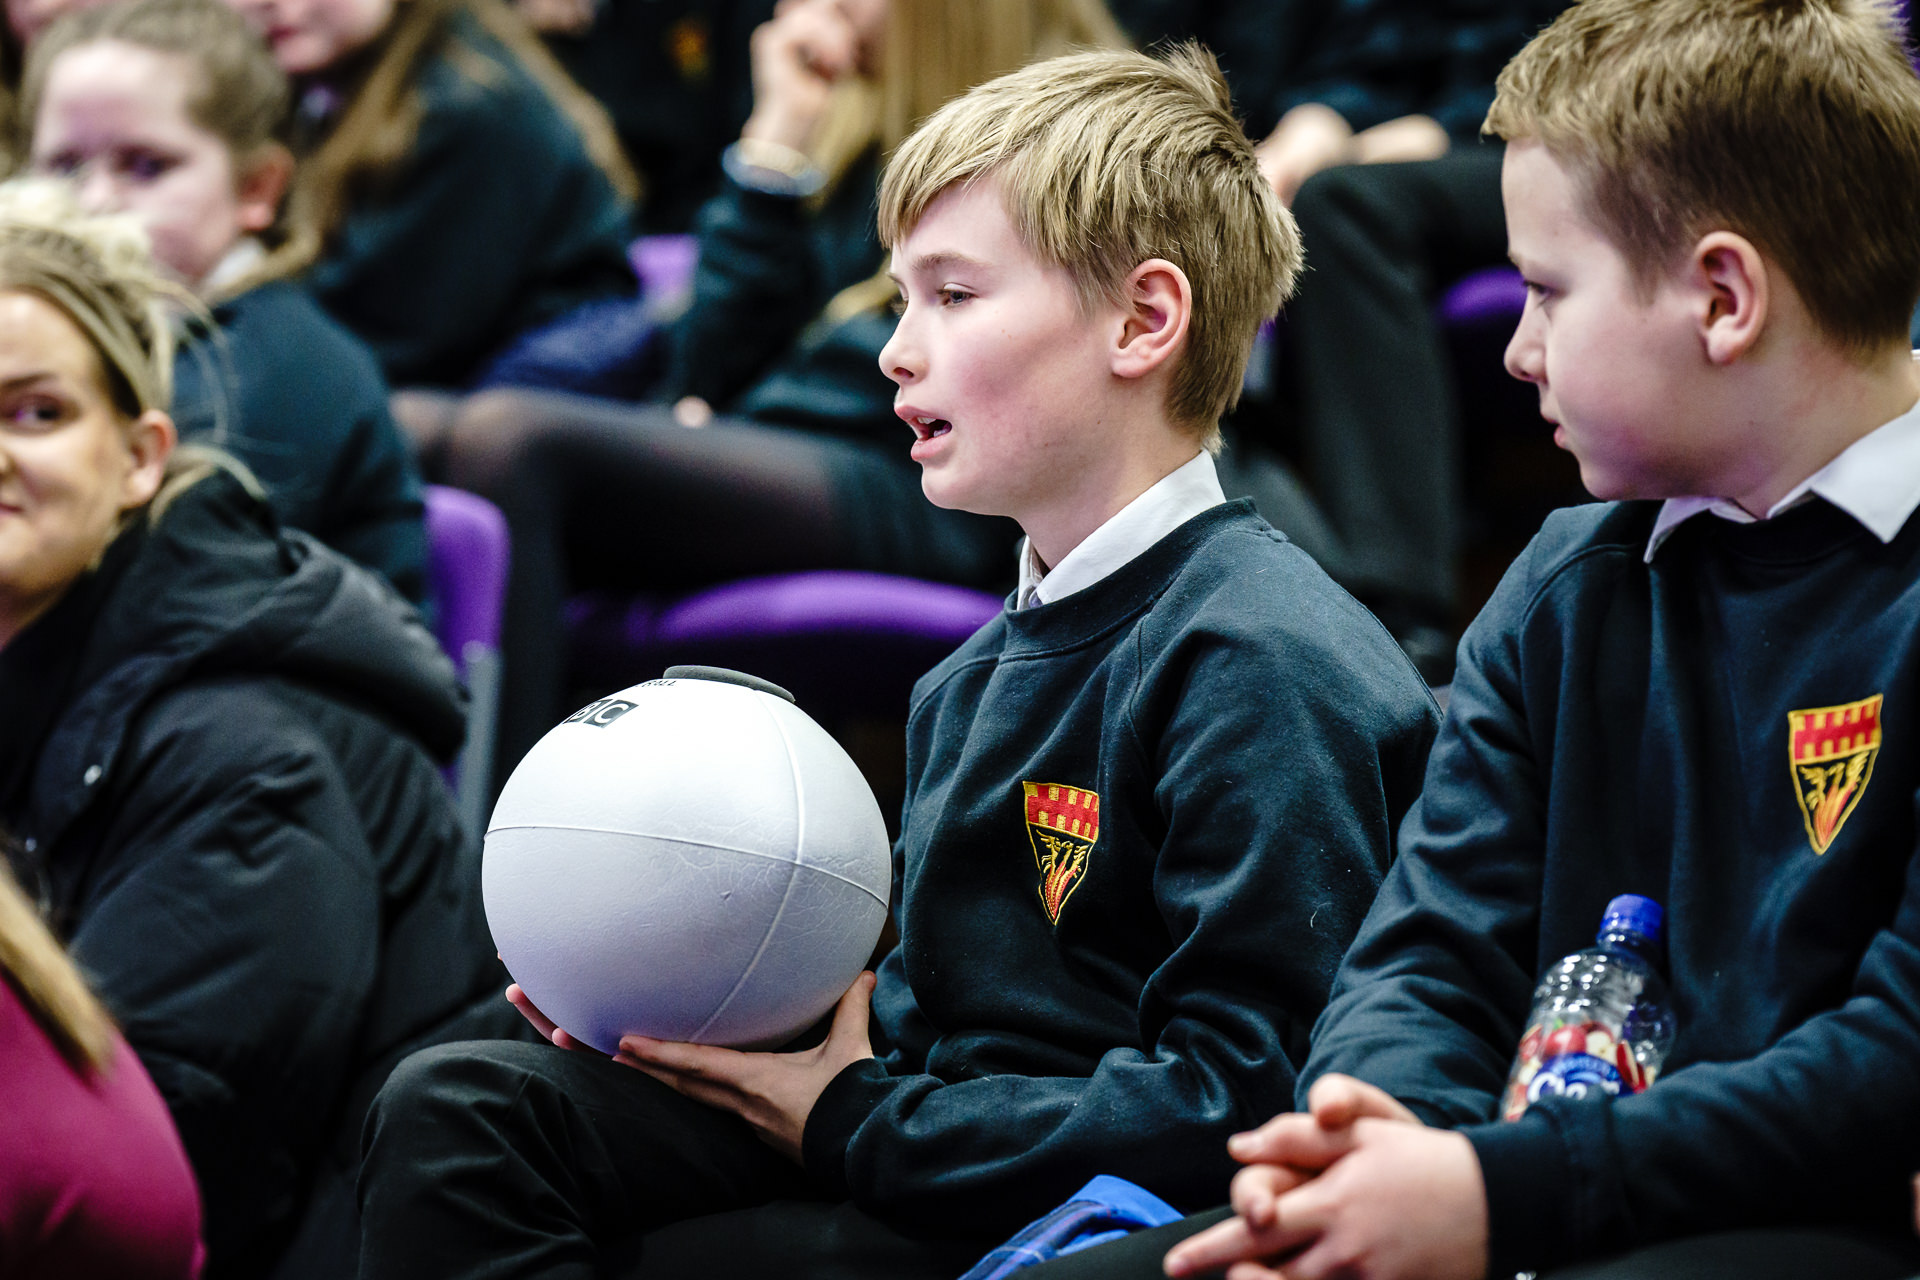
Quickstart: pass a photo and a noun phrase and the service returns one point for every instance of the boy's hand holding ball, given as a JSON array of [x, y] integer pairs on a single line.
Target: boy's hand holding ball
[[773, 1092]]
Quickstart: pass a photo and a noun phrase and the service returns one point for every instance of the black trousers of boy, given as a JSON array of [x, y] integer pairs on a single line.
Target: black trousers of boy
[[501, 1159], [1734, 1255], [1367, 373]]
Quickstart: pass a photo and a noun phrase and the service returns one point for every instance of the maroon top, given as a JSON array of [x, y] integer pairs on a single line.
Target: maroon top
[[93, 1182]]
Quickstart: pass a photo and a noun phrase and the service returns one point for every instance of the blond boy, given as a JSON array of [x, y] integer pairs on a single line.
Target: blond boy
[[1146, 808], [1704, 692]]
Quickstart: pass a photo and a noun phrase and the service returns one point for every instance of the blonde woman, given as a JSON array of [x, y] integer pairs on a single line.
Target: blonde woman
[[218, 759], [797, 460], [93, 1183]]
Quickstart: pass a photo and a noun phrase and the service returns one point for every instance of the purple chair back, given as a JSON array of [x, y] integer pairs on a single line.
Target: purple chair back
[[845, 643], [1495, 295], [467, 557], [665, 266]]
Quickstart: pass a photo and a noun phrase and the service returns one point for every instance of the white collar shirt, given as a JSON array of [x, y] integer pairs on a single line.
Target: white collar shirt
[[1876, 480], [244, 256], [1176, 498]]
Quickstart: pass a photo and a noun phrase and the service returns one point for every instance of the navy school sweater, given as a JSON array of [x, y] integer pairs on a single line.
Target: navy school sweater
[[302, 403], [497, 223], [1142, 824], [1706, 730]]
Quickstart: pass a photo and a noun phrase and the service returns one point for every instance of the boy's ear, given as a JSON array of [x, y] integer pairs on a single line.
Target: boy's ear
[[261, 183], [1735, 294], [1156, 309]]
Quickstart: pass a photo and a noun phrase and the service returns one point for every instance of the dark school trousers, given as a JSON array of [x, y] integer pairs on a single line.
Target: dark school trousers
[[1733, 1255], [502, 1159], [1366, 372]]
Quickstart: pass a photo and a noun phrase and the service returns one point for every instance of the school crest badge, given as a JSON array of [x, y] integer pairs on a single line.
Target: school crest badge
[[1831, 752], [1062, 823]]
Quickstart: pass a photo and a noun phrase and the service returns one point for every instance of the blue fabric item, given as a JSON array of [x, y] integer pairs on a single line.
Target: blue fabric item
[[602, 348], [1105, 1209]]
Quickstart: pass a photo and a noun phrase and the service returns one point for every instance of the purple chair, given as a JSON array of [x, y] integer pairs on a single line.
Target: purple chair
[[467, 554], [665, 266], [1495, 295], [846, 644]]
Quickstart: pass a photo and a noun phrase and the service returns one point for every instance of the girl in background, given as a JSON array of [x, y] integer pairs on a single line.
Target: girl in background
[[463, 191], [169, 110], [93, 1183], [795, 459]]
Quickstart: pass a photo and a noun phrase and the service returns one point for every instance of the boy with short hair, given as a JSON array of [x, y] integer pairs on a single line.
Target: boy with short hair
[[1704, 693], [1146, 806]]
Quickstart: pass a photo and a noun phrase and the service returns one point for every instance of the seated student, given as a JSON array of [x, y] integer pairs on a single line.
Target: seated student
[[789, 310], [1712, 202], [464, 190], [1248, 735], [93, 1183], [167, 109], [216, 760]]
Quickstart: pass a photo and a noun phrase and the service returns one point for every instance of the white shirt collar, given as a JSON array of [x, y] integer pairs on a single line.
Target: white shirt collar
[[1176, 498], [1876, 480], [246, 254]]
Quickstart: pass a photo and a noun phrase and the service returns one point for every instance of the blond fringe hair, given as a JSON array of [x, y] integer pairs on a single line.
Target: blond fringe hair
[[1105, 160], [934, 51], [237, 93], [1795, 123], [53, 991], [380, 124], [97, 269]]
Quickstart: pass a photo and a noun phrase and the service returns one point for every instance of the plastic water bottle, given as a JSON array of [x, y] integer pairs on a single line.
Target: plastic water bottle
[[1601, 1022]]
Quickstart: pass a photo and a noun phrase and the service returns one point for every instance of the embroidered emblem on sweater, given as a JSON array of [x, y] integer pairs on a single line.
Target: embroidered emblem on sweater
[[1831, 752], [1062, 822]]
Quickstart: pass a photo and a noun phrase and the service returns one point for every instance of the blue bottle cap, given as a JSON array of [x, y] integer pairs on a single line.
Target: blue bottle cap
[[1631, 913]]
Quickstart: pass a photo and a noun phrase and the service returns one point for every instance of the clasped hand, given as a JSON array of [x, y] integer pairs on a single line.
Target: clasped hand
[[1355, 1187], [773, 1092]]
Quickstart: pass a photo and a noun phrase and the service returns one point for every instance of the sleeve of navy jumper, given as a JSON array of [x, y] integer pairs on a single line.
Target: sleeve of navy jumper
[[1277, 776], [768, 264], [753, 293], [1430, 1001]]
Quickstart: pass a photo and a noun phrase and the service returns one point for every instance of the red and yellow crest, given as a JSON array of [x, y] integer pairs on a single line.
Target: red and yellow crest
[[1062, 823], [1831, 752]]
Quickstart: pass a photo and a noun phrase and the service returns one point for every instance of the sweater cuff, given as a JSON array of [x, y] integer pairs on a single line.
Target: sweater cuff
[[762, 205], [842, 1107], [1529, 1181]]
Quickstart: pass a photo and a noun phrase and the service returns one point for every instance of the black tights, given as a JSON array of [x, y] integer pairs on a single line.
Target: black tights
[[603, 495]]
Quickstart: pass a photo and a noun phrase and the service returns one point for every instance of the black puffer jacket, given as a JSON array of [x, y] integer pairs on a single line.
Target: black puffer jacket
[[216, 754]]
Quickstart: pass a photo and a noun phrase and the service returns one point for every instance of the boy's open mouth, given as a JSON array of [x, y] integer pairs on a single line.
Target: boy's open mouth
[[930, 428]]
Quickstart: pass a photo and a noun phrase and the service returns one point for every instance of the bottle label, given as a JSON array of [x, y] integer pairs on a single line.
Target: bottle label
[[1573, 1060], [1574, 1075]]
